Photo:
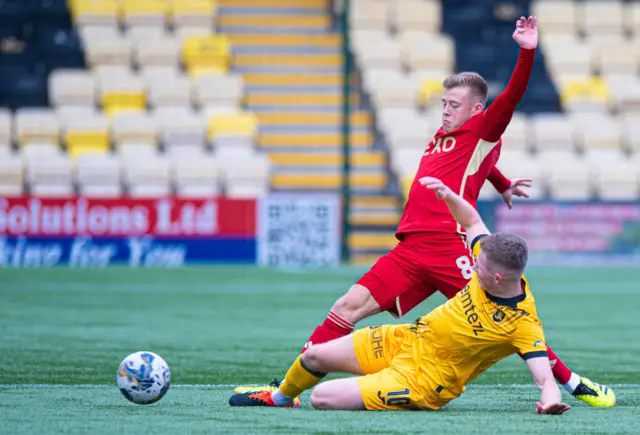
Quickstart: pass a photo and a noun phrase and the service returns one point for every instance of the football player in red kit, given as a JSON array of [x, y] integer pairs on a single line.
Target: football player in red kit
[[432, 253]]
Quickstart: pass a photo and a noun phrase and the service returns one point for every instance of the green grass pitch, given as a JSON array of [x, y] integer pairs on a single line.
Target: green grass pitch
[[63, 333]]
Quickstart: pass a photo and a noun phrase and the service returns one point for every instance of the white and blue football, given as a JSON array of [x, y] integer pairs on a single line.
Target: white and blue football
[[143, 378]]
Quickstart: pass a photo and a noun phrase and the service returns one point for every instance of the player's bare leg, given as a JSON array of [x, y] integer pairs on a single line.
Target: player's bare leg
[[306, 372], [343, 394], [357, 304]]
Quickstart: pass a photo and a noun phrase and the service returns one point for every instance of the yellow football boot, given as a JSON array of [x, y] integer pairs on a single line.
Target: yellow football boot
[[594, 394]]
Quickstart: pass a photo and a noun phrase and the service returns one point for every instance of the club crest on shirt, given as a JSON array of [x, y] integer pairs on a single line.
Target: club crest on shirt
[[498, 316]]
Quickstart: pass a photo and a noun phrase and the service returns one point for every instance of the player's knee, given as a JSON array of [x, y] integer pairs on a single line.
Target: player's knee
[[319, 399], [313, 359], [356, 305]]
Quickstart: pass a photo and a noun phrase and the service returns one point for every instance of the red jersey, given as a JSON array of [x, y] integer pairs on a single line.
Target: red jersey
[[463, 158]]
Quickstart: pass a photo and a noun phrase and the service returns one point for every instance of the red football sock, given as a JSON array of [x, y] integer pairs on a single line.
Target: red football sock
[[561, 372], [333, 327]]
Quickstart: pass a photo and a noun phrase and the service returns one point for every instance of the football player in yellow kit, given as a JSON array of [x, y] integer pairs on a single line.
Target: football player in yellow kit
[[427, 364]]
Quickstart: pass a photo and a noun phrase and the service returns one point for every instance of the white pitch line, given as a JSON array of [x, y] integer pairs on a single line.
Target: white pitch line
[[222, 386]]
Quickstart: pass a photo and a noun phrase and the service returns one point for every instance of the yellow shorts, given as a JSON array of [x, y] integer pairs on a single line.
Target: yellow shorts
[[385, 354]]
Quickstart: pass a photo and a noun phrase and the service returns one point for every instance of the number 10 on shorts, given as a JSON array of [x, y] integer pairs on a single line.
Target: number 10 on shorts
[[465, 266]]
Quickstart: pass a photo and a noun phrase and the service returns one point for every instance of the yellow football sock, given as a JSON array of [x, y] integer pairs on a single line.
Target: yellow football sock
[[299, 378]]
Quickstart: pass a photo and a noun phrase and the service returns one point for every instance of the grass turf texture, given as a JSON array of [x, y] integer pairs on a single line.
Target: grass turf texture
[[241, 325]]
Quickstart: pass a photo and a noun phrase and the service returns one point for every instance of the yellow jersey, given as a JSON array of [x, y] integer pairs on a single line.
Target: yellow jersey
[[471, 332]]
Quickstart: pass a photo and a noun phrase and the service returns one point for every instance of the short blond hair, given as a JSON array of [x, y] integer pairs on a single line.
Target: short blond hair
[[506, 250], [474, 81]]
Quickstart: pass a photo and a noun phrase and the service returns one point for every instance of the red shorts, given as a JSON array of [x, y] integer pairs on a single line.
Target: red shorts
[[416, 268]]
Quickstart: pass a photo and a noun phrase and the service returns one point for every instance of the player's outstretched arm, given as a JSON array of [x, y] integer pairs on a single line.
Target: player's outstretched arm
[[497, 117], [463, 212], [550, 396]]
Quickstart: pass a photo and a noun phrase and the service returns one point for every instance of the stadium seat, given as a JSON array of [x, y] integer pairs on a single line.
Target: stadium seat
[[133, 127], [192, 12], [518, 163], [6, 128], [144, 12], [369, 14], [122, 93], [411, 132], [50, 175], [632, 18], [365, 38], [219, 90], [416, 15], [148, 177], [568, 177], [37, 126], [434, 54], [95, 12], [517, 135], [405, 161], [558, 16], [248, 178], [569, 58], [631, 131], [388, 118], [140, 34], [72, 87], [180, 126], [157, 51], [552, 132], [197, 177], [601, 16], [159, 73], [233, 130], [86, 134], [206, 53], [430, 88], [396, 91], [11, 175], [605, 134], [108, 50], [385, 54], [98, 176], [616, 182], [590, 95], [169, 92]]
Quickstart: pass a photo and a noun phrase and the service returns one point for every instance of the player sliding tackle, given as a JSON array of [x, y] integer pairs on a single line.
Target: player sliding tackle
[[433, 253], [427, 364]]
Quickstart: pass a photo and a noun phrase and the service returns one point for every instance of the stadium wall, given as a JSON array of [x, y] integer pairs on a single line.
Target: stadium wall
[[278, 230], [579, 233]]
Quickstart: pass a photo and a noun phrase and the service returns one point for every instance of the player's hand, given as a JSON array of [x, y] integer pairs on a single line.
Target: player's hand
[[442, 191], [552, 408], [526, 33], [515, 189]]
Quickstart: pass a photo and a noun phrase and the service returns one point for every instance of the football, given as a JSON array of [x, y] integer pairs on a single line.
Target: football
[[143, 377]]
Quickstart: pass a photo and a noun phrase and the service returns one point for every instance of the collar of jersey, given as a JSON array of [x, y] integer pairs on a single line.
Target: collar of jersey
[[508, 302]]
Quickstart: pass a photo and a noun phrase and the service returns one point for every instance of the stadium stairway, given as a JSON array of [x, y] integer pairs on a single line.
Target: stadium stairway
[[290, 56]]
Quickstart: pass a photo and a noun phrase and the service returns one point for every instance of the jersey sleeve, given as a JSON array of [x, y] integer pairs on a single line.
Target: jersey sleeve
[[529, 339], [497, 117], [475, 244]]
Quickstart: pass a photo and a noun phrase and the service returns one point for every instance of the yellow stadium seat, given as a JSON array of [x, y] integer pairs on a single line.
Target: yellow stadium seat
[[242, 124], [429, 89], [95, 11], [117, 101], [81, 142], [406, 182], [192, 12], [144, 11], [206, 52], [587, 94]]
